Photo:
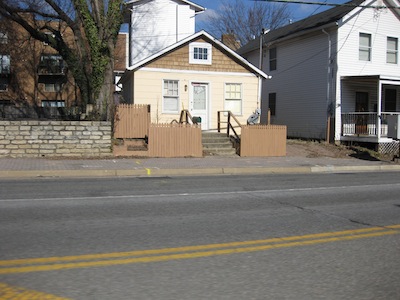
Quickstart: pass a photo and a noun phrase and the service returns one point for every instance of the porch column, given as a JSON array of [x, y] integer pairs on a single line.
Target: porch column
[[379, 111]]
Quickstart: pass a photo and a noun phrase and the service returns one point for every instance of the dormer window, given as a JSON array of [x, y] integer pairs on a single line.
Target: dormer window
[[200, 53]]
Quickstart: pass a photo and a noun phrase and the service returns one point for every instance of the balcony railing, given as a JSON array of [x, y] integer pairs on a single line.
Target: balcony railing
[[365, 123], [51, 70]]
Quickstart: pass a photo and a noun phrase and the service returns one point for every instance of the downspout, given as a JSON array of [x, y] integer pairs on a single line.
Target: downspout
[[328, 87], [260, 63]]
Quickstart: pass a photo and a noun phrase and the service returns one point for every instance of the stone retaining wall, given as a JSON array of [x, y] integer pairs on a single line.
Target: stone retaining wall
[[55, 139]]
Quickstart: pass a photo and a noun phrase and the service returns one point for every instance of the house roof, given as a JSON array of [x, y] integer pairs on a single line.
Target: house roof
[[315, 21], [196, 7], [187, 40]]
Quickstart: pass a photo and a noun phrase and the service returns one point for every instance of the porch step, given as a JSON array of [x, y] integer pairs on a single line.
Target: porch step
[[217, 144]]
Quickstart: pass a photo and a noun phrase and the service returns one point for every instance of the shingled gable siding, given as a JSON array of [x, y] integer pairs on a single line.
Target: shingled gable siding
[[55, 139], [179, 60]]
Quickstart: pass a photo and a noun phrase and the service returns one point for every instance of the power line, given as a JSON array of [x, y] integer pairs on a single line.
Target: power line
[[327, 4]]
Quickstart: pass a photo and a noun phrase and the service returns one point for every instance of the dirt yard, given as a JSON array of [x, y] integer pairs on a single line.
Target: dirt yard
[[317, 149]]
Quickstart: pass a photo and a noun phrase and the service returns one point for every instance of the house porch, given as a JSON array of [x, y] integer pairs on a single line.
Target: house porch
[[370, 111]]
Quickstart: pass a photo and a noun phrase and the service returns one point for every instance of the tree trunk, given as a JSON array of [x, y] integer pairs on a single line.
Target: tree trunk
[[105, 100]]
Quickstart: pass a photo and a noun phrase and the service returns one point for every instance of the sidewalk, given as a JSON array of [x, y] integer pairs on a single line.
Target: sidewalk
[[145, 167]]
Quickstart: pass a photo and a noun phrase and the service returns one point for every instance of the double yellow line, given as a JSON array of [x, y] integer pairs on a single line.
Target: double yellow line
[[188, 252]]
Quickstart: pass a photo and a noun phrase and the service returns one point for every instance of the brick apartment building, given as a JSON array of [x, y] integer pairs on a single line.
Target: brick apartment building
[[33, 75]]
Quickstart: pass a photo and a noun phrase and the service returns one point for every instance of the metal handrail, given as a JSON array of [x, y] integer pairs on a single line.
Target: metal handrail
[[229, 126]]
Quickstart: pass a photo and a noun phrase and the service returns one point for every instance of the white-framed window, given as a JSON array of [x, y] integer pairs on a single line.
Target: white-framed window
[[200, 53], [364, 50], [392, 50], [52, 87], [272, 59], [170, 96], [233, 98], [3, 38], [53, 103], [5, 64]]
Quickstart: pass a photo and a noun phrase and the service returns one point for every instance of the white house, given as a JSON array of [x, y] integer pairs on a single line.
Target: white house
[[156, 24], [339, 67]]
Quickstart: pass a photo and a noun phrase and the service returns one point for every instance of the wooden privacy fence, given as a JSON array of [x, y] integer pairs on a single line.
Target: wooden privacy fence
[[175, 140], [263, 140], [131, 121]]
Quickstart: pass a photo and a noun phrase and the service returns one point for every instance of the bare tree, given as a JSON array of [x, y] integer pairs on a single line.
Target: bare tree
[[246, 20], [84, 32]]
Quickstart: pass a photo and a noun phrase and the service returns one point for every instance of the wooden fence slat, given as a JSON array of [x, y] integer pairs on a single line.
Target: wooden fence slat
[[263, 140], [175, 140]]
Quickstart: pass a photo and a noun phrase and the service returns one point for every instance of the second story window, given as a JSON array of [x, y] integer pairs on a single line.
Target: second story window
[[51, 64], [272, 59], [3, 37], [4, 64], [364, 50], [391, 50], [200, 53]]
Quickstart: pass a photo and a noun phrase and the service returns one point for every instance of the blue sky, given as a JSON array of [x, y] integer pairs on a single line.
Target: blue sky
[[299, 11]]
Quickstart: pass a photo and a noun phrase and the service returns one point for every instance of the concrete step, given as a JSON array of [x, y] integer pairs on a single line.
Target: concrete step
[[218, 144]]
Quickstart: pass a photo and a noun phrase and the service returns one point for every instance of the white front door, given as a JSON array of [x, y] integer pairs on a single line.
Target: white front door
[[199, 103]]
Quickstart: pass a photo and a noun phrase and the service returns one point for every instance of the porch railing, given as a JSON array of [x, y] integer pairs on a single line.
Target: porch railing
[[365, 123], [230, 126], [184, 118]]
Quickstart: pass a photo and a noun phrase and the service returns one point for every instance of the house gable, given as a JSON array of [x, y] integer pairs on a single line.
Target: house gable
[[178, 59]]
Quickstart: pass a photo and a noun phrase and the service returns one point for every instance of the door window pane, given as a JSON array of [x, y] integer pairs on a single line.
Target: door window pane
[[199, 97]]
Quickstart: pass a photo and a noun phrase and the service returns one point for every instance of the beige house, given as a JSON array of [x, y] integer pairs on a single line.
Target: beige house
[[199, 74]]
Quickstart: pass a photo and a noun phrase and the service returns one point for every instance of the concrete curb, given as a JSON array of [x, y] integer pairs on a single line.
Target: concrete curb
[[156, 172]]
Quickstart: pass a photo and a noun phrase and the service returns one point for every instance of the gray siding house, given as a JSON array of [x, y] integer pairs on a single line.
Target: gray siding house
[[336, 74]]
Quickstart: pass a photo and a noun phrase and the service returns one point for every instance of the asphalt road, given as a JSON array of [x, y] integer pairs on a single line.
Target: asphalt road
[[317, 236]]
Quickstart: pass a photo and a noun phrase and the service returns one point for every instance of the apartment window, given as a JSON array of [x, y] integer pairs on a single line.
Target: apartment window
[[5, 64], [272, 103], [233, 98], [200, 53], [51, 64], [3, 38], [272, 59], [392, 49], [3, 84], [364, 52], [53, 103], [52, 87], [171, 96]]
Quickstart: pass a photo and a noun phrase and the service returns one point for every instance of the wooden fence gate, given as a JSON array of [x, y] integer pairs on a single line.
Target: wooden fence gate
[[132, 121]]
